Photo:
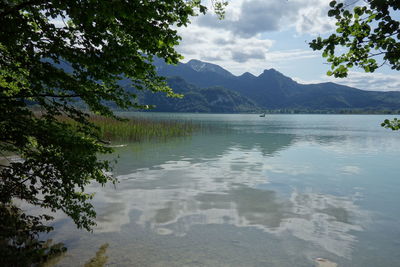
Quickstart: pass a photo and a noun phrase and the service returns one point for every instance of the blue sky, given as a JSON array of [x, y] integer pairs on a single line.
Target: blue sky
[[263, 34]]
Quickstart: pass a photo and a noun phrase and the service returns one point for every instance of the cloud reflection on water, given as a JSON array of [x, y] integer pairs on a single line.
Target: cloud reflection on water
[[178, 194]]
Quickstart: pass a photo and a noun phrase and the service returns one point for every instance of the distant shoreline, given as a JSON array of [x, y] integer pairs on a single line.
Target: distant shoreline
[[270, 111]]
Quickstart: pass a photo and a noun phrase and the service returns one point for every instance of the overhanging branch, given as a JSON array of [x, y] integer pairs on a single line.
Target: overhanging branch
[[40, 95], [18, 7]]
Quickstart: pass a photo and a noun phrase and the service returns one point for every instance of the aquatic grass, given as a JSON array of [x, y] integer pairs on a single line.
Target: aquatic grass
[[142, 129], [136, 129]]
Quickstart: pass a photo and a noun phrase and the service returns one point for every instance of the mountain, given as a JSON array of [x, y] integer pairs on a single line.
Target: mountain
[[210, 88], [201, 66], [273, 90], [212, 99]]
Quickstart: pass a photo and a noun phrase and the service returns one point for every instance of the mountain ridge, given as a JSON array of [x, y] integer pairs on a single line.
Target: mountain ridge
[[211, 99], [273, 90]]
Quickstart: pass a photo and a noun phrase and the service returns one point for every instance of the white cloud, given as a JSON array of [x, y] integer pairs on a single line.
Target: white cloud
[[366, 81], [288, 55], [222, 47], [235, 53], [372, 81], [248, 18], [236, 43], [313, 18]]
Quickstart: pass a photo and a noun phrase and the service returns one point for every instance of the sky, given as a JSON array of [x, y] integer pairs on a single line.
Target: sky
[[262, 34]]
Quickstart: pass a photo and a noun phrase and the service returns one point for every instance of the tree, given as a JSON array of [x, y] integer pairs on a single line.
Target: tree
[[53, 53], [362, 35], [368, 32]]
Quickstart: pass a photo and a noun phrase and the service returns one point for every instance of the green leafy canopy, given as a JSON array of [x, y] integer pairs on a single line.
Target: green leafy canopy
[[363, 33], [53, 53]]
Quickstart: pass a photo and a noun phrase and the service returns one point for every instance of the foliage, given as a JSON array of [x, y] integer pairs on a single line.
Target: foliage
[[53, 53], [219, 8], [368, 31], [362, 34], [391, 124], [19, 244]]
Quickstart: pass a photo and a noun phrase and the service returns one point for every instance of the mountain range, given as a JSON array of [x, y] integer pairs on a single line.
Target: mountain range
[[210, 88]]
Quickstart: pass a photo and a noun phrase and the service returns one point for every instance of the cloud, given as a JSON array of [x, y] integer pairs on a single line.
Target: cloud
[[314, 20], [241, 57], [238, 42], [361, 80], [288, 55], [222, 47], [373, 81], [247, 18]]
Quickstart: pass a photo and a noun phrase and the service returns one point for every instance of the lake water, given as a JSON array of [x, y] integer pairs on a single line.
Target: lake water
[[276, 191]]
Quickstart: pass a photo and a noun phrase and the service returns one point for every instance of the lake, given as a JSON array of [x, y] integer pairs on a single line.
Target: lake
[[276, 191]]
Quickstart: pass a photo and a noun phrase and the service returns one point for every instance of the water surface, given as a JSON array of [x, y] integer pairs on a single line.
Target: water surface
[[275, 191]]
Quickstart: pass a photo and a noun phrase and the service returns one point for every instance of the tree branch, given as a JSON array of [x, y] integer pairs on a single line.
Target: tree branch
[[4, 156], [5, 166], [20, 6], [40, 95]]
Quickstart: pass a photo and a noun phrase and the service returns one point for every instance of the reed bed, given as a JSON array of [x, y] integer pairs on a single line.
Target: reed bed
[[142, 129], [139, 129]]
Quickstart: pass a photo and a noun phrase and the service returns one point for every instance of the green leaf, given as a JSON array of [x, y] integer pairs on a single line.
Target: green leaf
[[331, 13]]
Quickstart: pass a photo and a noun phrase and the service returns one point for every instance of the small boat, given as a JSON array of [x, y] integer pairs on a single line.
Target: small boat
[[262, 115]]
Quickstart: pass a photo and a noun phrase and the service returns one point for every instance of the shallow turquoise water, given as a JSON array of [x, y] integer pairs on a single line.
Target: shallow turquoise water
[[275, 191]]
